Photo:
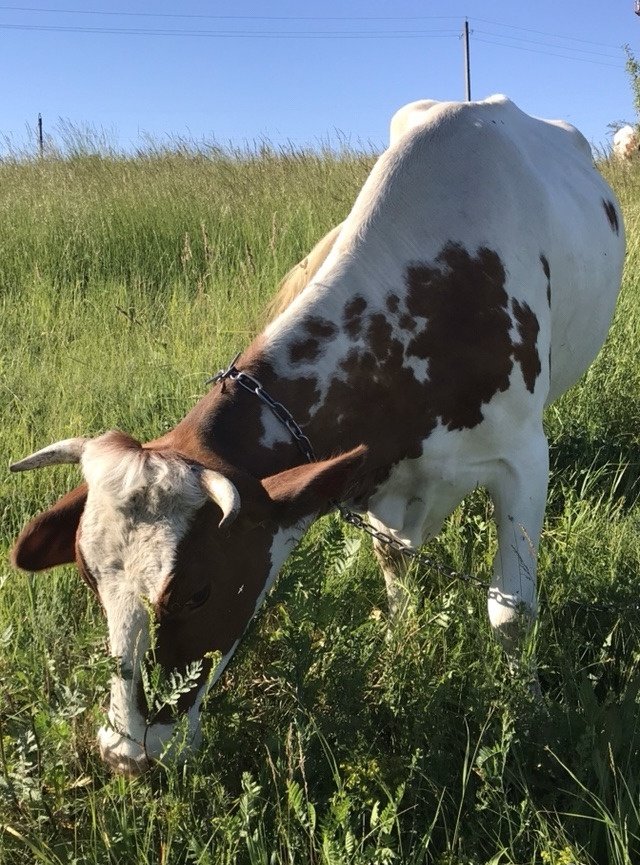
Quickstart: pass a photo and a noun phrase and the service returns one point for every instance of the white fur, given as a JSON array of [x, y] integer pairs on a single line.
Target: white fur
[[410, 116]]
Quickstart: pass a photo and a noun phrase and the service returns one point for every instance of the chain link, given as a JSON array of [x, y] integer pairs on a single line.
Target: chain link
[[251, 384]]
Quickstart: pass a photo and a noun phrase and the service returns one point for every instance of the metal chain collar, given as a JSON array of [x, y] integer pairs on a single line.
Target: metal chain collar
[[251, 384], [248, 382]]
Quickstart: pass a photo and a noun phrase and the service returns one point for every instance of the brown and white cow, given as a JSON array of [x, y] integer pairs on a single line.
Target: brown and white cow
[[626, 143], [472, 283]]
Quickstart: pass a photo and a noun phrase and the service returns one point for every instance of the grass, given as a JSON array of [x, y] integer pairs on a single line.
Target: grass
[[125, 282]]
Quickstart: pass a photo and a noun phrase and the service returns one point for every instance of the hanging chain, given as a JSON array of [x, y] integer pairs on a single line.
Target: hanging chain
[[251, 384], [410, 552]]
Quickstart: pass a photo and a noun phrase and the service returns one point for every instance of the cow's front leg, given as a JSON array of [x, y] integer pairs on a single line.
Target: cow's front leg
[[393, 565], [519, 492]]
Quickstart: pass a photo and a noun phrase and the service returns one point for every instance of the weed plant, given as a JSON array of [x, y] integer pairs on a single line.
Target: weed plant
[[125, 281]]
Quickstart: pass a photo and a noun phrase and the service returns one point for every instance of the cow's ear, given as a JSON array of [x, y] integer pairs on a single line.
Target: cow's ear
[[50, 538], [310, 489]]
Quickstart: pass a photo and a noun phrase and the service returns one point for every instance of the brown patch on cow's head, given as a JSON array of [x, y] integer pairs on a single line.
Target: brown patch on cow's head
[[212, 594], [526, 351], [218, 576], [612, 215], [547, 272]]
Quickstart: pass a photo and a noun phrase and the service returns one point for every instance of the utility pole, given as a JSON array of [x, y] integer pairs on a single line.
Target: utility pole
[[40, 136], [467, 62]]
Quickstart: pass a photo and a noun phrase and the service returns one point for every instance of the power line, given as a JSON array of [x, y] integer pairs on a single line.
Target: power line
[[549, 53], [312, 33], [241, 34], [235, 17], [548, 44], [544, 33], [201, 16], [297, 34]]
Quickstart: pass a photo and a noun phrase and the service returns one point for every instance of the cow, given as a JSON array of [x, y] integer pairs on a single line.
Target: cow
[[626, 143], [471, 284]]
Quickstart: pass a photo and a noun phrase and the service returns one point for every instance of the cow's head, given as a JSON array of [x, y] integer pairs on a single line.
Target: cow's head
[[193, 547]]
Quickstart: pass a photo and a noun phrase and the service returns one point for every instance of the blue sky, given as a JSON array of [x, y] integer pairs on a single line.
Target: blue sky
[[328, 74]]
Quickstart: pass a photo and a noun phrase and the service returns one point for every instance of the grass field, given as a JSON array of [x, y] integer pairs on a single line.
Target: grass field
[[124, 283]]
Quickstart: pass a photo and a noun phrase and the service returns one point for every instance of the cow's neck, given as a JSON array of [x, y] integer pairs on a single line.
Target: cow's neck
[[333, 361], [236, 425], [239, 427]]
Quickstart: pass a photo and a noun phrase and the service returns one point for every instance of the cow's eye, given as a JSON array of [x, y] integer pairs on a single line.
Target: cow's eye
[[198, 599]]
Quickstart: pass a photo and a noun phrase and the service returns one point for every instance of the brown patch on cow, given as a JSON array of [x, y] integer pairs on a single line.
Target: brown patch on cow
[[320, 327], [526, 351], [466, 338], [612, 215], [218, 576], [460, 315], [352, 316], [304, 350], [393, 302], [547, 273], [379, 336]]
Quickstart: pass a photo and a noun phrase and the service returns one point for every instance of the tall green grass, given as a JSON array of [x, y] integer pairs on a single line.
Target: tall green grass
[[126, 281]]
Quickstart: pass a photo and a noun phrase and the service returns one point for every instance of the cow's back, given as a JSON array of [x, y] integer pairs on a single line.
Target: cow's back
[[487, 176]]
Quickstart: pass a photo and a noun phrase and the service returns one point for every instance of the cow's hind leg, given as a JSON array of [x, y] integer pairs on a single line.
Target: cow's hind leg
[[519, 492]]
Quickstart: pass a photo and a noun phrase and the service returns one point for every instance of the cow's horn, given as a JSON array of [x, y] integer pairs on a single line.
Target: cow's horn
[[223, 493], [66, 451]]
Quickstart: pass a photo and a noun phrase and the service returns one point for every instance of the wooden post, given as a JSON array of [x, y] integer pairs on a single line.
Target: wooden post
[[467, 62], [40, 136]]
